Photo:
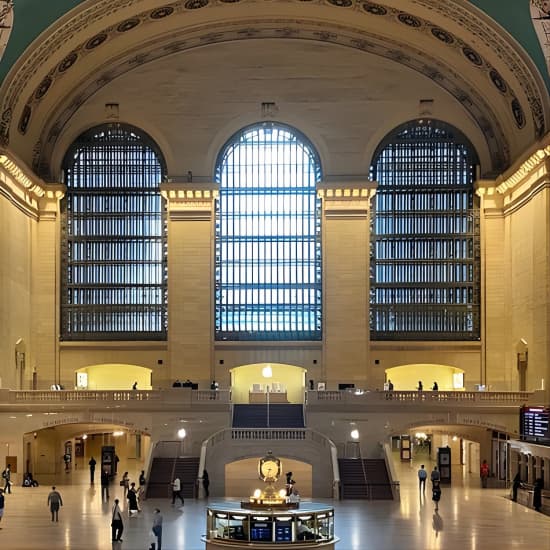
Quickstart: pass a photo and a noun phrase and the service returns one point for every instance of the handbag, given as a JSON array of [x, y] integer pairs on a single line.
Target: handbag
[[121, 483]]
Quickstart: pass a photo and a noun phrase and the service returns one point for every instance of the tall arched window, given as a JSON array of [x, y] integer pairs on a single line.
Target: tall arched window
[[114, 273], [268, 237], [425, 282]]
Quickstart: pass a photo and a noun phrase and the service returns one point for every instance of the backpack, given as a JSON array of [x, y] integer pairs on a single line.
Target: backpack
[[4, 475], [422, 474]]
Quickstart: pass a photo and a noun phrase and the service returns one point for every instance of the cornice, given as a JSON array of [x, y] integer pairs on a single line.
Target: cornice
[[25, 190]]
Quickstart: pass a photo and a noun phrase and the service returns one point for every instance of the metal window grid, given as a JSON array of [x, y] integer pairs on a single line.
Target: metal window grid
[[114, 253], [268, 237]]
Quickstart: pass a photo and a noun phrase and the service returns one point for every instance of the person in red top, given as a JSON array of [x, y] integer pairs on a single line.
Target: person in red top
[[484, 473]]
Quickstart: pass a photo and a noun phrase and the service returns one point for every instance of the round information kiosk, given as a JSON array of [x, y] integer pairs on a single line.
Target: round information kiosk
[[269, 519]]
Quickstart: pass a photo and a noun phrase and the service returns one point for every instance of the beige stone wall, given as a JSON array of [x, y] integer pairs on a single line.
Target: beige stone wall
[[345, 291], [190, 289], [16, 230]]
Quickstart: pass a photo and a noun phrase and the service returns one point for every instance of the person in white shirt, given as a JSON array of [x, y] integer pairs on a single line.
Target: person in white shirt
[[176, 491], [117, 526]]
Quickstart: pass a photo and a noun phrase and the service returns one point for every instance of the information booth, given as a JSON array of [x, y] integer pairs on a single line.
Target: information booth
[[229, 525], [444, 464]]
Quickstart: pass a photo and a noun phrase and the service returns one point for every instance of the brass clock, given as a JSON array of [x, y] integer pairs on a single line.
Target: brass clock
[[269, 468]]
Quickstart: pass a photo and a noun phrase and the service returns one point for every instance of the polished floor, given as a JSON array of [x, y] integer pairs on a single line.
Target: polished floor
[[469, 518]]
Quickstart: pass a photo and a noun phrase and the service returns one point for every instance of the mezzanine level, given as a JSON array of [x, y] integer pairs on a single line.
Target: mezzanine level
[[219, 400]]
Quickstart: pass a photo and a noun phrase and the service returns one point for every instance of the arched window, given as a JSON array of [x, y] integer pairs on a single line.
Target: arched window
[[425, 282], [268, 230], [114, 273]]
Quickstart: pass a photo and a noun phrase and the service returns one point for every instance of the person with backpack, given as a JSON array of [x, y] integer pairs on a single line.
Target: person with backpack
[[436, 493], [422, 476]]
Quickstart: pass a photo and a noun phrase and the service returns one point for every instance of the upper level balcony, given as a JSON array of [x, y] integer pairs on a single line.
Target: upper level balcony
[[181, 399]]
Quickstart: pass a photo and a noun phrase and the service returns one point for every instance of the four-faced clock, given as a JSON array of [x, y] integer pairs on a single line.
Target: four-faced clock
[[269, 468]]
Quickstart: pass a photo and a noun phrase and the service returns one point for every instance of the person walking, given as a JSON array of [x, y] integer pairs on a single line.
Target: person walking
[[6, 474], [55, 502], [117, 525], [131, 495], [436, 493], [484, 473], [104, 484], [515, 486], [92, 464], [2, 499], [206, 483], [537, 494], [422, 476], [435, 476], [157, 530], [176, 491]]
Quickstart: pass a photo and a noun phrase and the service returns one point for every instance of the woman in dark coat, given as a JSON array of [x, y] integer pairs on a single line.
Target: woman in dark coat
[[515, 486], [206, 483]]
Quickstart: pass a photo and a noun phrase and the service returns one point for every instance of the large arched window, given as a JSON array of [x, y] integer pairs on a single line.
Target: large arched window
[[425, 282], [268, 247], [114, 283]]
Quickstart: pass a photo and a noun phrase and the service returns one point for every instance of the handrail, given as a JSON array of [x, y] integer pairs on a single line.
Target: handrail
[[391, 470]]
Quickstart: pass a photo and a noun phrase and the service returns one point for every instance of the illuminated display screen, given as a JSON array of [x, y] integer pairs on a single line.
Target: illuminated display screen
[[535, 423]]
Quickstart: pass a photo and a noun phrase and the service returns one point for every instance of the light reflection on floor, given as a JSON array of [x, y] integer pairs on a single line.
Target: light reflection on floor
[[469, 518]]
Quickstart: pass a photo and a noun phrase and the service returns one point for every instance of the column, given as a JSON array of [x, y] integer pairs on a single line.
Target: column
[[190, 279], [346, 233]]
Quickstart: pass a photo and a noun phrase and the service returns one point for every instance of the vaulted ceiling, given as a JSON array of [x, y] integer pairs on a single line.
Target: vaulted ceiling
[[345, 72]]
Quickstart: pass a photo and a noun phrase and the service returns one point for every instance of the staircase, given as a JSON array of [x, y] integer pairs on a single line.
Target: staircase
[[364, 479], [277, 415], [164, 470]]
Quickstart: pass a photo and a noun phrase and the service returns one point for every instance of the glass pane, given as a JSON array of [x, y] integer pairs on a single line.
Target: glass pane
[[114, 283], [425, 236], [268, 241]]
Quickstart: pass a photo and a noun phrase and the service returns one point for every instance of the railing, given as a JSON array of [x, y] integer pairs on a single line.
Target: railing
[[455, 397], [189, 397], [268, 433], [168, 396]]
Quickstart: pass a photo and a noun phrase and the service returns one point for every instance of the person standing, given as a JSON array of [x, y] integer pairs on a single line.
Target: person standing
[[1, 504], [435, 387], [436, 493], [484, 473], [6, 474], [67, 460], [390, 385], [117, 526], [92, 464], [104, 484], [134, 385], [157, 530], [420, 386], [54, 502], [176, 490], [142, 482], [422, 476], [206, 483], [125, 482]]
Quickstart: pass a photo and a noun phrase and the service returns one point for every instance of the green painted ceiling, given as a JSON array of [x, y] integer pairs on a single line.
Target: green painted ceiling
[[31, 17]]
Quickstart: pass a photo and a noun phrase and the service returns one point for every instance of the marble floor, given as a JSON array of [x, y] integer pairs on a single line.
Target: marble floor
[[469, 518]]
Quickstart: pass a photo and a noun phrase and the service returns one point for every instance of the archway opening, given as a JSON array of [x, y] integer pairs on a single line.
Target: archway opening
[[406, 377], [241, 477], [278, 382], [113, 376], [62, 453]]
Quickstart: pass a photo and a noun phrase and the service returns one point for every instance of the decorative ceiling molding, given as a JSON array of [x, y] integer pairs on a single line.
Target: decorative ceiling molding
[[6, 24], [54, 61]]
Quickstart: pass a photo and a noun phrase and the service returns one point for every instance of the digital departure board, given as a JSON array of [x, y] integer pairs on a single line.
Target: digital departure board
[[535, 424]]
